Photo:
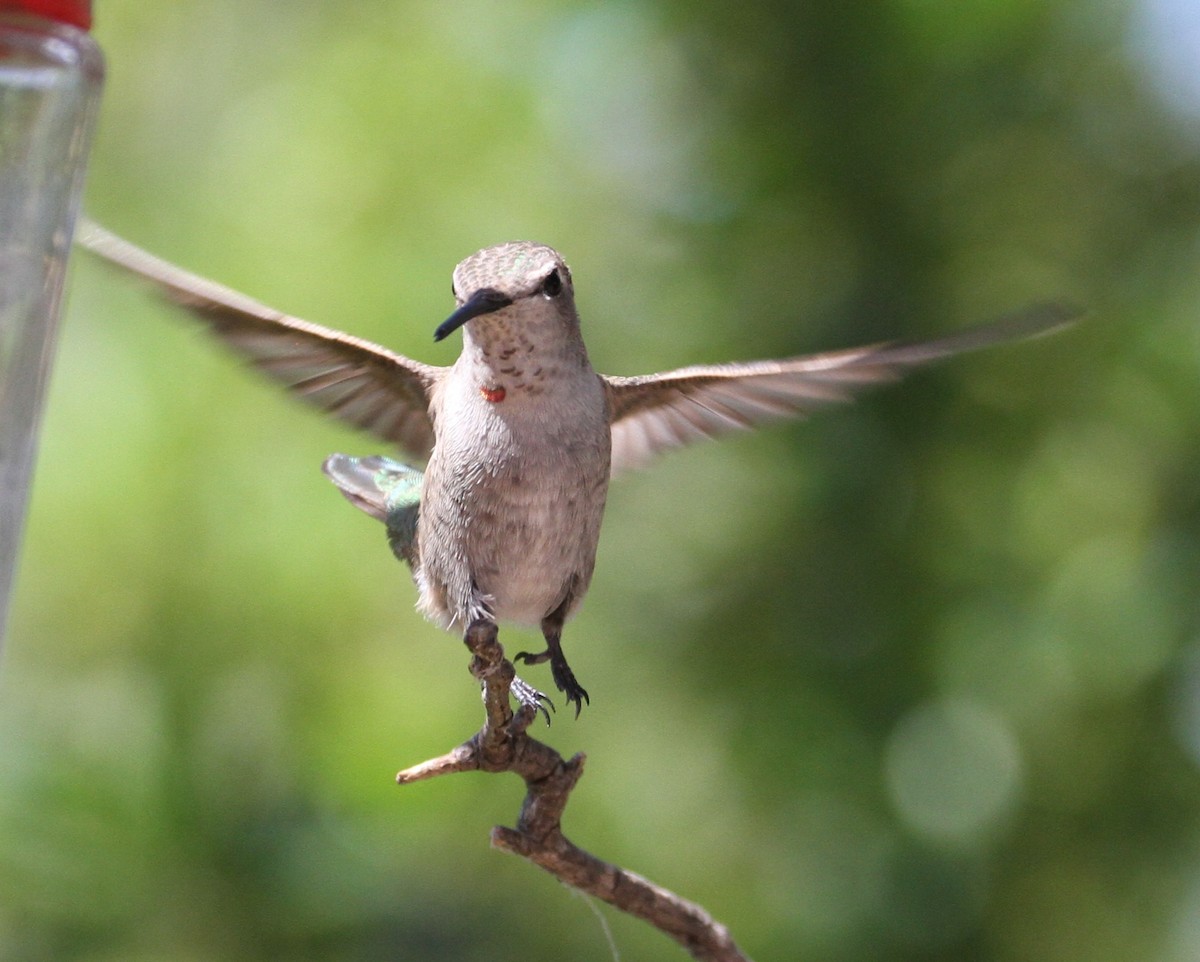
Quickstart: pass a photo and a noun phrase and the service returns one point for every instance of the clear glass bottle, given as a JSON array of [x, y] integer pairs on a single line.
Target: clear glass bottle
[[51, 73]]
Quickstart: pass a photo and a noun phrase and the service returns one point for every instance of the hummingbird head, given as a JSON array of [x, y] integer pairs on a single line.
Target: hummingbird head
[[517, 273]]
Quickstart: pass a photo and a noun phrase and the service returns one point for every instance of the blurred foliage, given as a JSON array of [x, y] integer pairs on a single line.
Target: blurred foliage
[[919, 679]]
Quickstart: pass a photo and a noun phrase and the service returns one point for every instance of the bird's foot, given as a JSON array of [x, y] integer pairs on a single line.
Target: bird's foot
[[564, 678], [529, 697]]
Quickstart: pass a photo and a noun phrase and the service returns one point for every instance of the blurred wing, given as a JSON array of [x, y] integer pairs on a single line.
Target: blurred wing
[[657, 412], [355, 380]]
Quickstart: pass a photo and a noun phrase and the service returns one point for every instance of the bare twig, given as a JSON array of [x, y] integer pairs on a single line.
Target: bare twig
[[503, 745]]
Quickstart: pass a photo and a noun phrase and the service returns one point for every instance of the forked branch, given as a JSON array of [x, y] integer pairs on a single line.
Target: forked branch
[[504, 745]]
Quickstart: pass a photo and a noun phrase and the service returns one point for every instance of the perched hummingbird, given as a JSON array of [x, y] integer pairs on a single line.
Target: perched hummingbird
[[520, 436]]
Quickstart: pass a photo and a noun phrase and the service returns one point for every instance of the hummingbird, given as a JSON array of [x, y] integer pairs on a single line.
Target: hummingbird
[[520, 436]]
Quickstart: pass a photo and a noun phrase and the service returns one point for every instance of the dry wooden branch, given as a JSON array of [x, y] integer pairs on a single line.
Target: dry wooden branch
[[503, 745]]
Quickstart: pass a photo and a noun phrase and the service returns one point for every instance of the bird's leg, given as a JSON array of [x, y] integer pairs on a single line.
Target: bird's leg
[[525, 694], [564, 678]]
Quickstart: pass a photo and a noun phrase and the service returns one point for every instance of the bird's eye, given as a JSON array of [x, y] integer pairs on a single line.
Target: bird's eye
[[552, 285]]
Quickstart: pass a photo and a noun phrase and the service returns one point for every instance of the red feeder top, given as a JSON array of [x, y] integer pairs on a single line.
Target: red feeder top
[[78, 13]]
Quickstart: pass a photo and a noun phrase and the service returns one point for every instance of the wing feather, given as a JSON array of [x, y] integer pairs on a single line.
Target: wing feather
[[361, 383], [657, 412]]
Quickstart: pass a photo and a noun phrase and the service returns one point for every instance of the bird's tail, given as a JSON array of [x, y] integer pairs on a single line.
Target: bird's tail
[[386, 490], [376, 485]]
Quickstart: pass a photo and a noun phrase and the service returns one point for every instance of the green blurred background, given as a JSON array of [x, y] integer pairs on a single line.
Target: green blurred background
[[916, 680]]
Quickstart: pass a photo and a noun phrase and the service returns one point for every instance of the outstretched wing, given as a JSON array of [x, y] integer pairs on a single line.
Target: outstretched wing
[[657, 412], [355, 380]]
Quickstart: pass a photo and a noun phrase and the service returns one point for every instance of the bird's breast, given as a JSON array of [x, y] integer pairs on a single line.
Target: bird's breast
[[514, 495]]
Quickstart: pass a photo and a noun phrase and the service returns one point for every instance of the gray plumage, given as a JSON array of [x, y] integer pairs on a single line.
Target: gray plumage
[[521, 435]]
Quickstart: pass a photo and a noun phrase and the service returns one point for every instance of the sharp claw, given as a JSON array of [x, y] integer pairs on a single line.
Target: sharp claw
[[578, 696], [530, 697]]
